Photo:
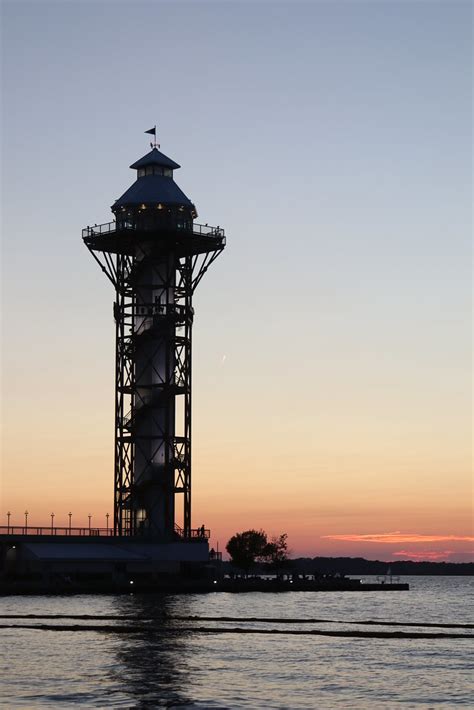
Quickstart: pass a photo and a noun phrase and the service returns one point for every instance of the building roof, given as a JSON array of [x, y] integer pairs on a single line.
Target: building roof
[[153, 189], [77, 551], [154, 157]]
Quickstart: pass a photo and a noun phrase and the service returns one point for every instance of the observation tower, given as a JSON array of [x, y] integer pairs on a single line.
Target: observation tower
[[155, 255]]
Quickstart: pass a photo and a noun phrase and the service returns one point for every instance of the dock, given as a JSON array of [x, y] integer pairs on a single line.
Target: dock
[[181, 585]]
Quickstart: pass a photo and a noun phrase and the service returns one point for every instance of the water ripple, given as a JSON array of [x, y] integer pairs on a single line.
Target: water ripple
[[169, 662]]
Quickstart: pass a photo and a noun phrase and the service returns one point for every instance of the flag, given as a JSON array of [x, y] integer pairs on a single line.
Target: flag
[[152, 131]]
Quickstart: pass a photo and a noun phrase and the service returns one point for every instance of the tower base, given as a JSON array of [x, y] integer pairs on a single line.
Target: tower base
[[115, 564]]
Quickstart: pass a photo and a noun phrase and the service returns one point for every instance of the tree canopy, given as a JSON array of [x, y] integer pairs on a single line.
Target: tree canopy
[[252, 546], [276, 552]]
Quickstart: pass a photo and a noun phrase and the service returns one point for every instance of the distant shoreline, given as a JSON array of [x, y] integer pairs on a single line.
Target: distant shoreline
[[361, 566]]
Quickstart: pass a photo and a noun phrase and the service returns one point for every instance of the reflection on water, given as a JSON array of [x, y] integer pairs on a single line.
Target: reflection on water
[[152, 668]]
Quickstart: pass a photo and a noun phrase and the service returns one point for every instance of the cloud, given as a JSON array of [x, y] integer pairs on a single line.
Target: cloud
[[396, 538], [429, 555]]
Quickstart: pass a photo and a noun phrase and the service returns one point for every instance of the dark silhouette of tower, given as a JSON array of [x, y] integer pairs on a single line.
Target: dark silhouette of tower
[[155, 255]]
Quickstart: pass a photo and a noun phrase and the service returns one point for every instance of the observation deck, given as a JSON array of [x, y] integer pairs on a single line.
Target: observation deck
[[116, 238]]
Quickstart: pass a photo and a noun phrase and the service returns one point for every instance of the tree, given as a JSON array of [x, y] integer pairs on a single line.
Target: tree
[[246, 547], [276, 551]]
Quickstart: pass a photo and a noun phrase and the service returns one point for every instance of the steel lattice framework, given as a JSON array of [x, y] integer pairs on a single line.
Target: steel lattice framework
[[154, 273]]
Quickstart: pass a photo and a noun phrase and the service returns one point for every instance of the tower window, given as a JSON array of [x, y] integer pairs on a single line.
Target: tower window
[[154, 170]]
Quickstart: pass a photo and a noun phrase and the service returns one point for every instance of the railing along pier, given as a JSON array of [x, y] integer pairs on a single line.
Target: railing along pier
[[66, 531]]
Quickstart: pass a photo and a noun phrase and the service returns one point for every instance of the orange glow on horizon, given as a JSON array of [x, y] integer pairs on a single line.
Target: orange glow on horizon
[[425, 555], [398, 537]]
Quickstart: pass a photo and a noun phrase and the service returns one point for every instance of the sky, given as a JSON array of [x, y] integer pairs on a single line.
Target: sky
[[332, 338]]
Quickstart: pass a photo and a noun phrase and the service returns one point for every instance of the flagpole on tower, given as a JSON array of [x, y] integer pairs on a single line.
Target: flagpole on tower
[[152, 131]]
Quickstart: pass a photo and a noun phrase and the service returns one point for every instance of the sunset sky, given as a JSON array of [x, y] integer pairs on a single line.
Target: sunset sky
[[332, 362]]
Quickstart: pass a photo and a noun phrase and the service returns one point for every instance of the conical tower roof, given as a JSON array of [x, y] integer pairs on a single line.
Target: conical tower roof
[[155, 184], [154, 157]]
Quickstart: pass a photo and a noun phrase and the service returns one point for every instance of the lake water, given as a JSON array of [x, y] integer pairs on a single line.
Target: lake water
[[136, 658]]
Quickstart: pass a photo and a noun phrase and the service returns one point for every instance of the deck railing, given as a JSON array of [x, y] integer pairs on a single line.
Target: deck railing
[[99, 229], [199, 230], [201, 533], [43, 530], [35, 530]]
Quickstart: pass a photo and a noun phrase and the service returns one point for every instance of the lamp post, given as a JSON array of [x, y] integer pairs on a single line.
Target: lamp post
[[26, 521], [52, 523], [107, 522], [8, 522], [70, 516], [89, 516]]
